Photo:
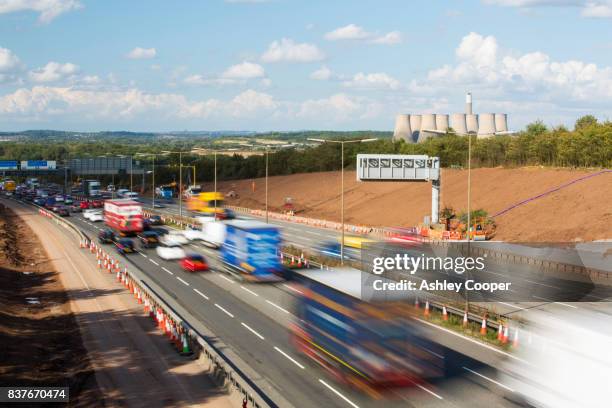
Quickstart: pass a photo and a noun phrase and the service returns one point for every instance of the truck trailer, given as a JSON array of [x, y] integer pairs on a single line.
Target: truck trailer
[[124, 216]]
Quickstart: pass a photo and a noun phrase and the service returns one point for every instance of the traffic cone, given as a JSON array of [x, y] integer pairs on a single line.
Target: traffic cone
[[426, 312], [505, 337], [500, 332], [99, 264], [483, 327], [515, 341], [444, 313], [416, 303], [465, 319], [118, 276], [186, 350]]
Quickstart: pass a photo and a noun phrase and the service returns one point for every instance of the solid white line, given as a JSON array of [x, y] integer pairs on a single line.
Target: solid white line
[[567, 305], [557, 303], [429, 391], [253, 331], [182, 281], [152, 261], [249, 290], [511, 305], [277, 306], [201, 294], [292, 288], [289, 357], [338, 393], [472, 340], [226, 312], [489, 379], [143, 254], [167, 271], [227, 279]]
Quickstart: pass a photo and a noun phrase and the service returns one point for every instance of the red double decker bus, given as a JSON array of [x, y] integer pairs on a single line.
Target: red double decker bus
[[124, 216]]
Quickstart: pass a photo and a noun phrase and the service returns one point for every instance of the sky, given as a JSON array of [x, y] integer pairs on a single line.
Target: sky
[[292, 65]]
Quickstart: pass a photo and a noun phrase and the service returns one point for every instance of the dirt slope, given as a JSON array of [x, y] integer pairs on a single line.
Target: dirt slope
[[582, 211]]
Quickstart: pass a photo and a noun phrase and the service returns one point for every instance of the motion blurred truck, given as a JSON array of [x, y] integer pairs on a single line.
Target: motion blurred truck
[[90, 188], [124, 216], [251, 250], [208, 203]]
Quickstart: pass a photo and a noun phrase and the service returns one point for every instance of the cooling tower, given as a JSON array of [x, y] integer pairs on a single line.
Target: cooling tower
[[402, 130], [428, 122], [468, 103], [441, 122], [501, 122], [471, 122], [458, 123], [415, 125], [486, 125]]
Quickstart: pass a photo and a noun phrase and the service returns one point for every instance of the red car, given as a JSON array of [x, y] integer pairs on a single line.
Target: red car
[[97, 203], [194, 263], [84, 205]]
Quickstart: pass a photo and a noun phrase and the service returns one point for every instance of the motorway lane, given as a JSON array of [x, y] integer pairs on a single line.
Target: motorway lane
[[240, 324]]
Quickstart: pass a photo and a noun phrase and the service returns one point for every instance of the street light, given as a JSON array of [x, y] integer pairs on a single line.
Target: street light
[[342, 143], [180, 153], [153, 175], [200, 150], [194, 173]]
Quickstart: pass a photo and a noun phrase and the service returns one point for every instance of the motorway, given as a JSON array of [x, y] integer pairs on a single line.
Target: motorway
[[253, 320]]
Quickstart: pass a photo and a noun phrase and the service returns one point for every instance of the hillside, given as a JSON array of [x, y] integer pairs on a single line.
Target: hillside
[[578, 212]]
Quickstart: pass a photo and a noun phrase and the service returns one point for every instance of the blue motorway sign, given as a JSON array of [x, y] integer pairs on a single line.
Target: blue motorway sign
[[8, 164]]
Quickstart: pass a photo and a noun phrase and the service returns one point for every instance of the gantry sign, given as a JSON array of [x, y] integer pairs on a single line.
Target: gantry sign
[[402, 167]]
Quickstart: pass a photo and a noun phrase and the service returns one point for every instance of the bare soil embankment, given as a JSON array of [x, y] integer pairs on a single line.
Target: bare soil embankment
[[582, 211], [39, 336]]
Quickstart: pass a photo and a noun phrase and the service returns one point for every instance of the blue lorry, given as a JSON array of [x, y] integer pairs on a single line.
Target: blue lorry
[[251, 250]]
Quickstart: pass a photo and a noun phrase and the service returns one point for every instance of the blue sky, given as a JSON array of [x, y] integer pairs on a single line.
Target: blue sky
[[288, 64]]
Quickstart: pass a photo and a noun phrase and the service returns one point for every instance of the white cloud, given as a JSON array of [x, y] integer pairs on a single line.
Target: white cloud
[[53, 71], [8, 61], [142, 53], [339, 105], [245, 70], [322, 74], [47, 9], [377, 80], [354, 32], [588, 8], [288, 50]]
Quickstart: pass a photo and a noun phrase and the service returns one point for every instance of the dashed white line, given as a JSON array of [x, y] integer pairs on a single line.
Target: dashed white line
[[277, 306], [338, 393], [292, 288], [225, 311], [201, 294], [511, 305], [429, 391], [227, 279], [143, 254], [187, 284], [489, 379], [289, 357], [249, 290], [557, 303], [165, 269], [152, 261], [252, 331]]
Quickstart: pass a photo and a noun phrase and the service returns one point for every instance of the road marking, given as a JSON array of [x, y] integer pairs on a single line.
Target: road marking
[[227, 279], [557, 303], [226, 312], [252, 331], [277, 306], [152, 261], [489, 379], [249, 290], [201, 294], [429, 391], [167, 271], [338, 393], [292, 288], [511, 305], [143, 254], [289, 357], [182, 281]]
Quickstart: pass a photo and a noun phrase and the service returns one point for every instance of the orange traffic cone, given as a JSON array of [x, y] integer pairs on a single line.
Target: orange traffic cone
[[515, 341], [465, 319], [99, 264], [505, 337], [416, 303], [444, 313], [500, 332], [426, 311], [483, 327]]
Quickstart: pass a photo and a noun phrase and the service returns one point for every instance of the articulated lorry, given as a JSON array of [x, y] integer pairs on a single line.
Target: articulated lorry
[[252, 251], [90, 188], [373, 346], [124, 216]]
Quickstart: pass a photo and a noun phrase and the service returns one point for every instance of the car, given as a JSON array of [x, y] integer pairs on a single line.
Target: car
[[156, 220], [125, 246], [68, 200], [170, 252], [131, 195], [39, 201], [174, 237], [107, 236], [84, 205], [96, 217], [194, 262], [75, 208], [121, 192], [55, 207], [88, 212], [148, 239], [97, 203], [159, 205], [63, 212], [59, 199], [160, 231]]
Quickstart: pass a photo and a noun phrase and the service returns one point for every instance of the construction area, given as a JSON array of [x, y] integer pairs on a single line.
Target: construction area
[[535, 204]]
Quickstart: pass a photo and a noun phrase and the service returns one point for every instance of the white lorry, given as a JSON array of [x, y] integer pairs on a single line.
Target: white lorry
[[210, 232]]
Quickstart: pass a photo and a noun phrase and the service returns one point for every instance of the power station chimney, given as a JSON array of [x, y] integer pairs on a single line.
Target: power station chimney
[[468, 103]]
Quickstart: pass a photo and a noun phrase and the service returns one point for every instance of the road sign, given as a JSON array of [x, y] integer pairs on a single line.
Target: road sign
[[397, 167], [38, 165], [8, 165]]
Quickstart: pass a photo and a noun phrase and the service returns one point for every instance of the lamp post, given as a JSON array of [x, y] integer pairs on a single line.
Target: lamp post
[[194, 173], [267, 156], [180, 153], [153, 155], [342, 143]]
